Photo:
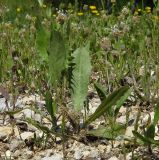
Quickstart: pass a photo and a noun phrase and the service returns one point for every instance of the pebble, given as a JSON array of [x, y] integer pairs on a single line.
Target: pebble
[[54, 157], [129, 130], [8, 154], [128, 156], [29, 154], [102, 148], [122, 110], [78, 154], [148, 117], [38, 118], [5, 131], [86, 154], [2, 104], [94, 154], [28, 113], [121, 119], [17, 153], [26, 135], [113, 158], [49, 152], [15, 144]]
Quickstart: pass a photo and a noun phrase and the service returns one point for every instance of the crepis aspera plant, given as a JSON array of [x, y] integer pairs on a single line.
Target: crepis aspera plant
[[69, 72]]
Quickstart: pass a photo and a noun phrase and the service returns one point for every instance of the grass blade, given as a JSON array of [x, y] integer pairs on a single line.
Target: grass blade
[[107, 104]]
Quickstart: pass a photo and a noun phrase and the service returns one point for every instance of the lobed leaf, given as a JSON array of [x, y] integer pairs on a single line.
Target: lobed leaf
[[42, 39], [57, 56], [81, 75], [110, 132]]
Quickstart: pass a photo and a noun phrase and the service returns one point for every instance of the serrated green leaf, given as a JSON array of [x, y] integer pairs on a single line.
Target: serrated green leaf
[[57, 56], [107, 104], [110, 132], [42, 40], [81, 75]]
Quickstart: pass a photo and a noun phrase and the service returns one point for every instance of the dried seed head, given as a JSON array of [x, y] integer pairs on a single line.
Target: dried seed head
[[106, 44]]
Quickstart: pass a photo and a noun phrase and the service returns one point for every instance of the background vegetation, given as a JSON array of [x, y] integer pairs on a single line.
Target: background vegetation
[[59, 53]]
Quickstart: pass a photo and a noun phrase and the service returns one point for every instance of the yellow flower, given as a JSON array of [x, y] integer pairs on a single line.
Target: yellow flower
[[94, 11], [97, 14], [136, 13], [80, 13], [156, 17], [92, 7], [18, 9], [139, 10], [148, 9]]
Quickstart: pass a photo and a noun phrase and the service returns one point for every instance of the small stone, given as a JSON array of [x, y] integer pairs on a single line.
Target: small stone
[[58, 140], [18, 115], [102, 148], [40, 104], [122, 110], [147, 118], [38, 118], [121, 119], [17, 153], [156, 138], [94, 154], [128, 156], [78, 154], [129, 132], [86, 154], [54, 157], [49, 152], [29, 154], [2, 104], [113, 158], [117, 144], [8, 154], [15, 144], [108, 149], [26, 135], [5, 131], [28, 113], [36, 158]]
